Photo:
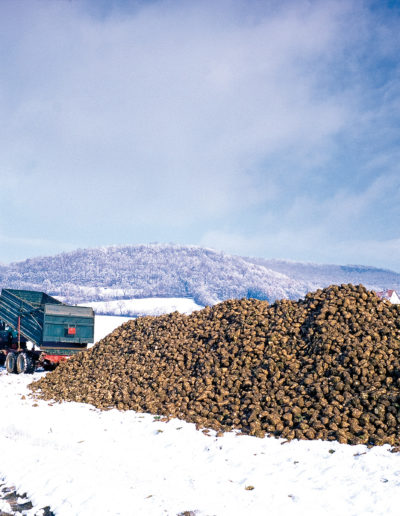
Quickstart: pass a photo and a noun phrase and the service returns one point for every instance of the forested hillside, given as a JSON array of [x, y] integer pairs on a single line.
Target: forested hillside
[[156, 270], [316, 275], [150, 271]]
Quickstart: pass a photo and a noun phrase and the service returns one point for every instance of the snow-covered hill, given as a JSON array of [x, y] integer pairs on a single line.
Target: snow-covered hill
[[317, 275], [143, 271], [171, 271]]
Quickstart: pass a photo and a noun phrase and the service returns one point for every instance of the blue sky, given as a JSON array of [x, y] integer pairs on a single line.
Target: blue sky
[[258, 128]]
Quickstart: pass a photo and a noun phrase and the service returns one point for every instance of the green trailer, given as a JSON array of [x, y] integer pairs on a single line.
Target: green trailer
[[55, 330]]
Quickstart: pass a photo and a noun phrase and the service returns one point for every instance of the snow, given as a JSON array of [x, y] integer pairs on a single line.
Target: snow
[[80, 460], [144, 306], [5, 507], [103, 325]]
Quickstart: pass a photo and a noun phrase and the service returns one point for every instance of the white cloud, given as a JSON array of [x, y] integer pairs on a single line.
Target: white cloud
[[170, 119], [170, 100]]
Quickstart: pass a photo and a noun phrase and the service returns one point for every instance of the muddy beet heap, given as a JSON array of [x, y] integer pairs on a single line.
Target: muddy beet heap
[[326, 367]]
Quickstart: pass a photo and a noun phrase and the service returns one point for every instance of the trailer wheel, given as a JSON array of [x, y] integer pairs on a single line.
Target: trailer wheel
[[11, 363], [48, 366], [25, 363]]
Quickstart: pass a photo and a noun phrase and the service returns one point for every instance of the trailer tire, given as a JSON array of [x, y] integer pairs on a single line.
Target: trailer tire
[[48, 366], [11, 362], [25, 363]]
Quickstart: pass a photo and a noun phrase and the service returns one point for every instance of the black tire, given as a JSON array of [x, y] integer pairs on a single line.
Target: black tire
[[25, 363], [11, 363], [48, 366]]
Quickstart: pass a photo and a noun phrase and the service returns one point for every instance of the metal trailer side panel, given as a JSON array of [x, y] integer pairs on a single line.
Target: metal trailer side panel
[[68, 324], [33, 298], [14, 304], [45, 321]]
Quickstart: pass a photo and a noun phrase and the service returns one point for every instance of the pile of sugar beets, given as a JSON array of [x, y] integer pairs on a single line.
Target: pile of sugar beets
[[326, 367]]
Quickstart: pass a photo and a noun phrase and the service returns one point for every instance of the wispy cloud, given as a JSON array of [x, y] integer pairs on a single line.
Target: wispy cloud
[[128, 121]]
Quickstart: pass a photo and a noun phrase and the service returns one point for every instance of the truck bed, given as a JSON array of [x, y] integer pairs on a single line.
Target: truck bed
[[46, 321]]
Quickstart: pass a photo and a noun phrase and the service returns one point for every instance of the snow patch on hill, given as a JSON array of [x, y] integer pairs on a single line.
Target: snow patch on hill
[[140, 307]]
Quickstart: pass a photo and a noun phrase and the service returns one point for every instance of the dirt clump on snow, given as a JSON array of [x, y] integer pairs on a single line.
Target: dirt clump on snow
[[326, 367]]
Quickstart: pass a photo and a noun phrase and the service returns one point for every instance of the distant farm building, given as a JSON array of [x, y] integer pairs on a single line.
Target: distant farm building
[[389, 295]]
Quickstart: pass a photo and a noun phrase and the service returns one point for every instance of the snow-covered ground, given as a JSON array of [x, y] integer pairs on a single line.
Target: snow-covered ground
[[105, 324], [82, 461], [144, 306]]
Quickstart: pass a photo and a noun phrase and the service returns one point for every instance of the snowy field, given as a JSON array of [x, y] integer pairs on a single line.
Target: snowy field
[[103, 325], [144, 306], [82, 461]]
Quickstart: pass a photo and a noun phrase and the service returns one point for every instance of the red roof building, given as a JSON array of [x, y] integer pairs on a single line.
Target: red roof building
[[389, 295]]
